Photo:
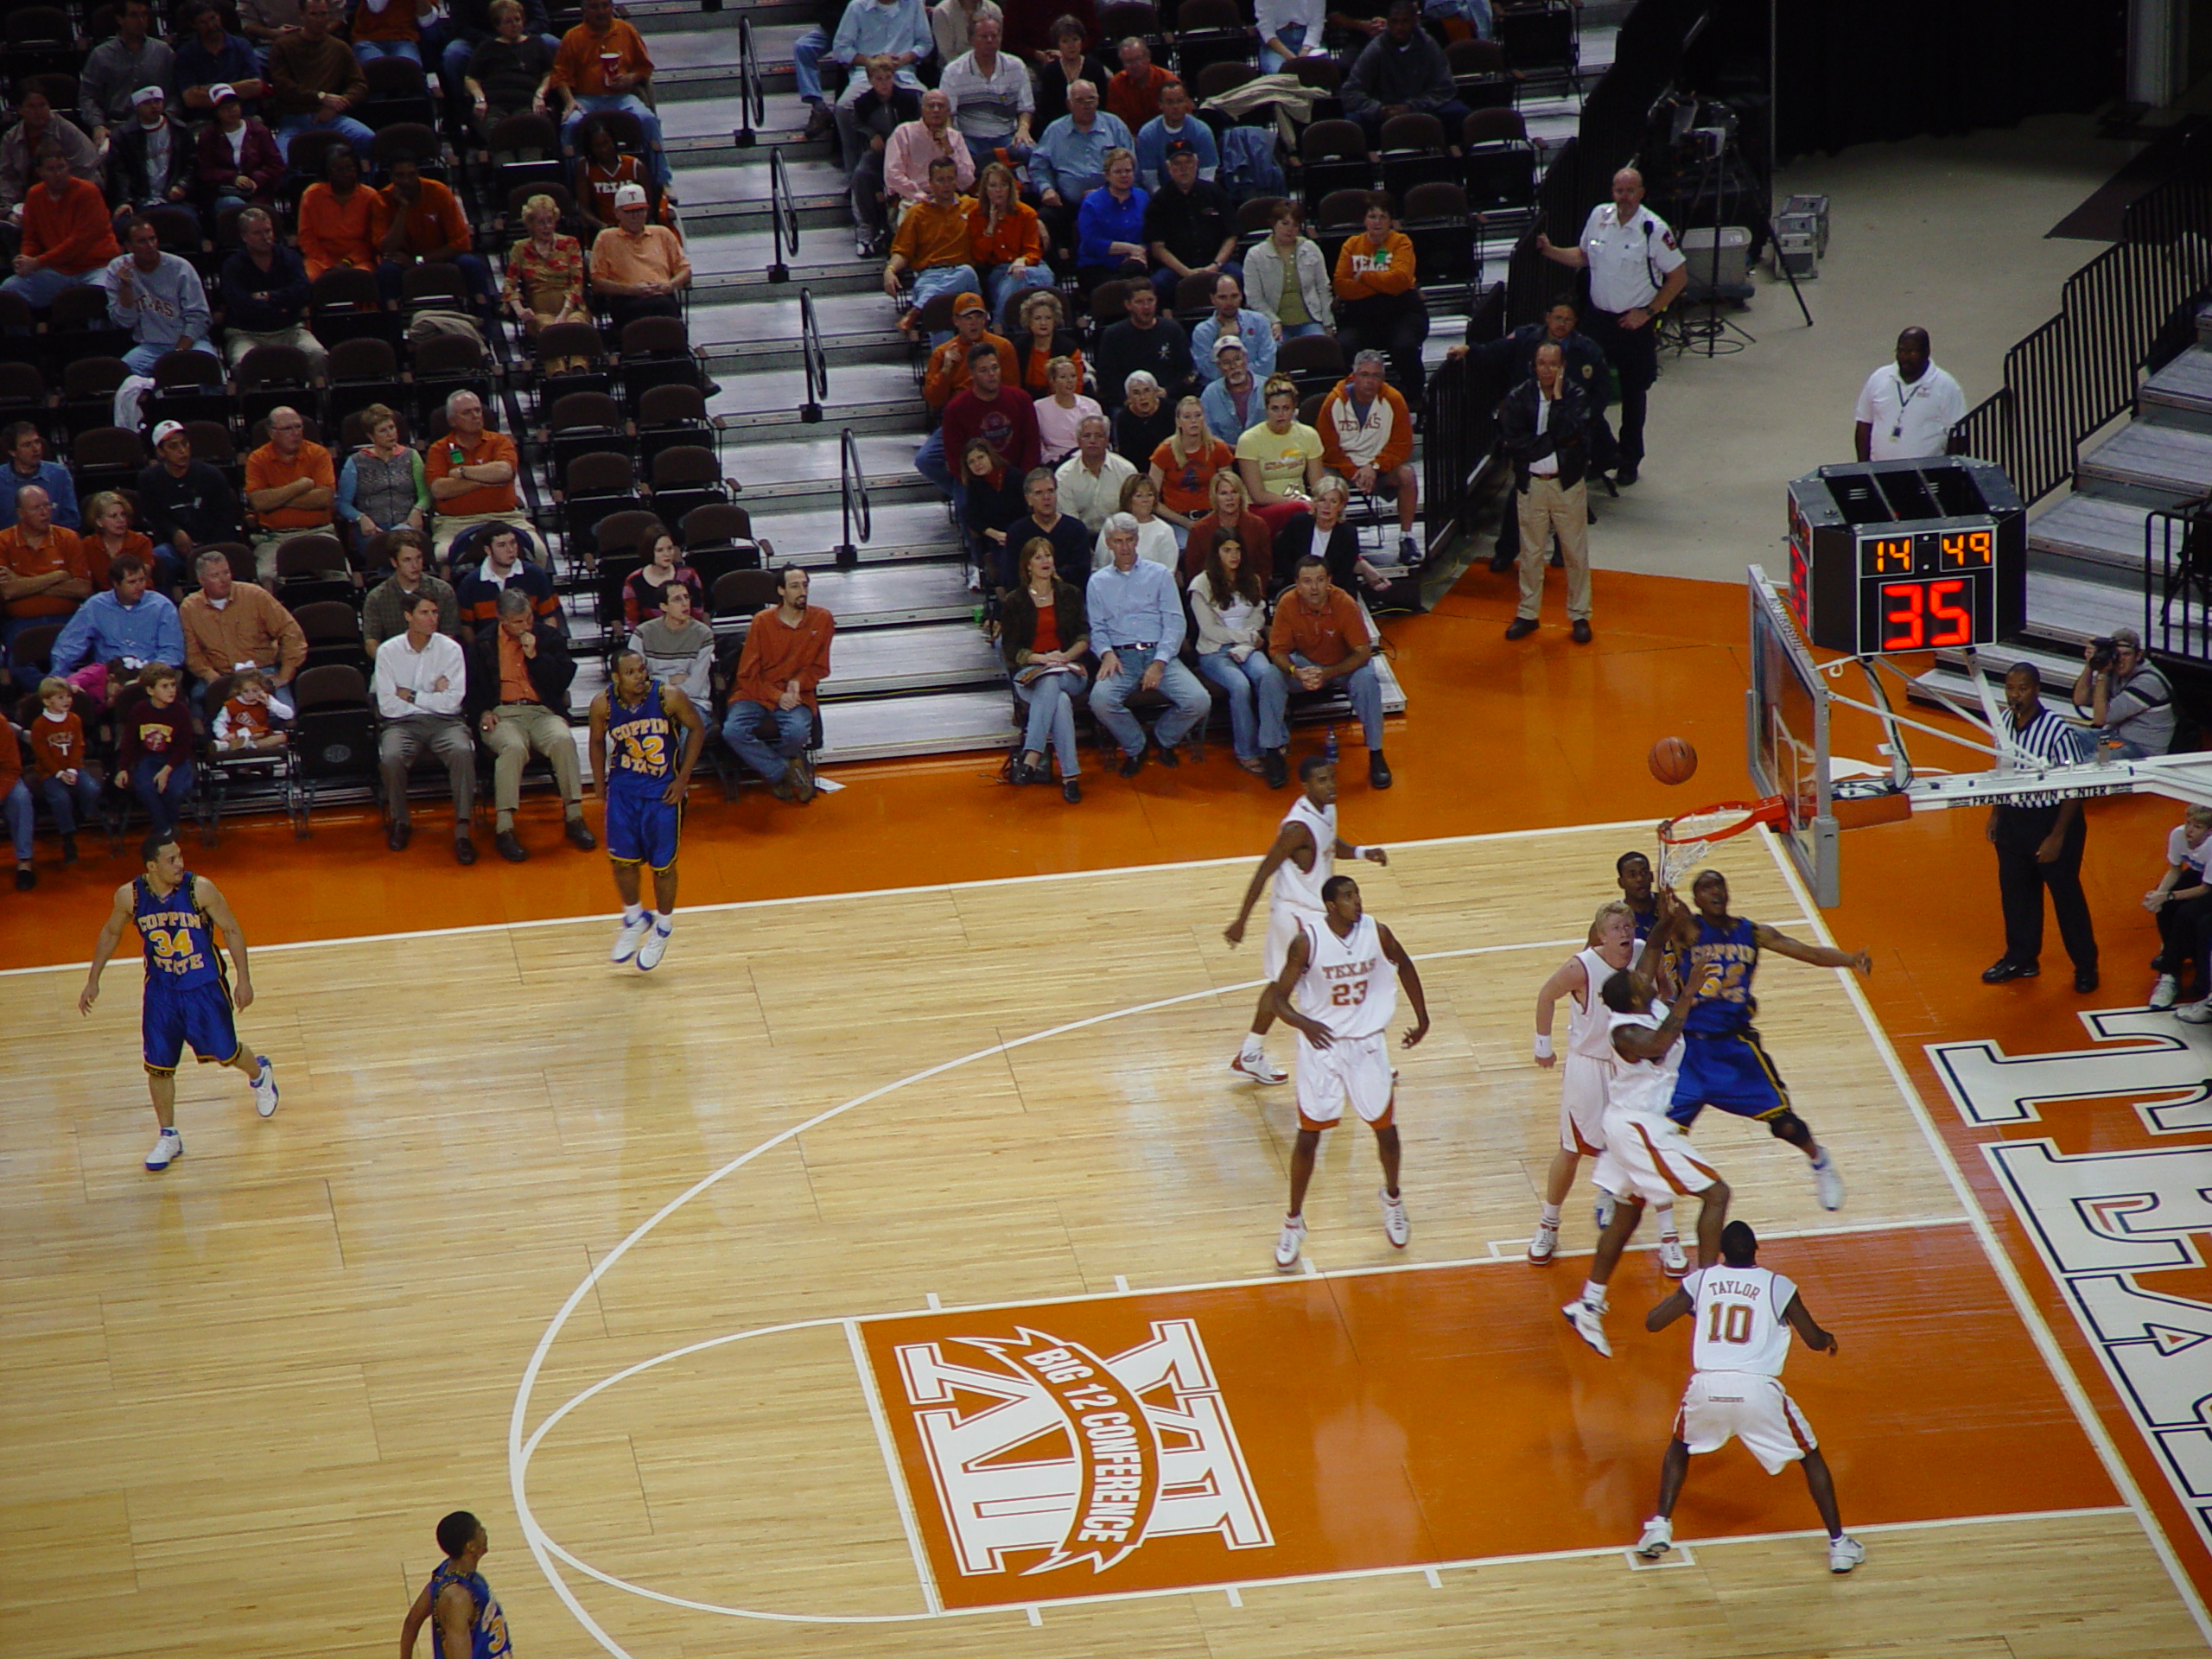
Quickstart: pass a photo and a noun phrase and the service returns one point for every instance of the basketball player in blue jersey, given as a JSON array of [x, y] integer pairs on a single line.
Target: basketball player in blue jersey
[[464, 1616], [1723, 1064], [634, 728], [189, 998], [1633, 872]]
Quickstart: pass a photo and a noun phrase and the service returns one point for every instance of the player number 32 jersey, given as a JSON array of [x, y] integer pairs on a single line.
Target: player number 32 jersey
[[1739, 1316], [1349, 986]]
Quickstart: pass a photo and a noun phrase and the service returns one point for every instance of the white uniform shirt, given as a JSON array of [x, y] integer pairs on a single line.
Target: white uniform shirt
[[2194, 859], [1911, 418], [1641, 1085], [1297, 889], [1590, 1022], [1349, 986], [1627, 262], [1738, 1315]]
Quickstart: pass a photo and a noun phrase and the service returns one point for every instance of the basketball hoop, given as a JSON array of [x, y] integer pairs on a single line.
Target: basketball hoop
[[1682, 840]]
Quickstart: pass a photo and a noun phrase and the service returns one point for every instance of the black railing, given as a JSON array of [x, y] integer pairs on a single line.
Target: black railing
[[852, 491], [2177, 582], [783, 218], [816, 360], [751, 94], [2080, 369], [1460, 432]]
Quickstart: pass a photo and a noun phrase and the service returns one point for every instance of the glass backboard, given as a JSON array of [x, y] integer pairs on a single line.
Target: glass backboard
[[1787, 737]]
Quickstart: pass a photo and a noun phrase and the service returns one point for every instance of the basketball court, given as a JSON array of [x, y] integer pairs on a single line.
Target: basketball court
[[765, 1327]]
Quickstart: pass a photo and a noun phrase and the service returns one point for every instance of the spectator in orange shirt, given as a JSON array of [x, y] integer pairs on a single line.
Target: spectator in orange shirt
[[603, 65], [472, 472], [290, 485], [1134, 93], [70, 789], [427, 227], [1321, 637], [933, 242], [1367, 436], [1378, 307], [67, 236], [786, 655], [342, 221], [15, 805], [637, 268], [1006, 244], [44, 572]]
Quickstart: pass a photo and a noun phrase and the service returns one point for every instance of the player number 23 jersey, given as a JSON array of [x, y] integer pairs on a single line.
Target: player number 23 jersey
[[1739, 1322], [1349, 986]]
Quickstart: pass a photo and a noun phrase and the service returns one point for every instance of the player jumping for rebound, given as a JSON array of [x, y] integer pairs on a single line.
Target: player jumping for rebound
[[1742, 1315], [1337, 989], [1303, 857], [1647, 1156], [1723, 1064], [189, 998], [1612, 948], [633, 727]]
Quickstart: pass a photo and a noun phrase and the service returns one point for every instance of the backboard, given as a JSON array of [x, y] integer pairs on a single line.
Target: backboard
[[1786, 736]]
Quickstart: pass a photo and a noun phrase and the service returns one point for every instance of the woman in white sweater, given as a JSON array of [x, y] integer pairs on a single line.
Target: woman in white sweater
[[1156, 538], [1286, 279], [1230, 609]]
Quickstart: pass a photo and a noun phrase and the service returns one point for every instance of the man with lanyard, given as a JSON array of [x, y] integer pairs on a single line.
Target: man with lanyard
[[1635, 270], [1307, 847], [468, 1622], [2038, 840], [1723, 1062], [1909, 411]]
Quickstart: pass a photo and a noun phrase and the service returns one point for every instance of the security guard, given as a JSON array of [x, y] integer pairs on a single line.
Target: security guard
[[1514, 359], [1635, 270]]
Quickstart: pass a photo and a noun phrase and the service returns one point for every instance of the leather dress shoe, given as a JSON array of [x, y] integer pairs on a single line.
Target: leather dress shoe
[[1274, 768], [2004, 968], [2085, 980], [1521, 627], [1625, 476], [1168, 757], [1132, 764], [464, 850], [398, 835], [1581, 630], [1071, 790], [1379, 771], [510, 846], [579, 834]]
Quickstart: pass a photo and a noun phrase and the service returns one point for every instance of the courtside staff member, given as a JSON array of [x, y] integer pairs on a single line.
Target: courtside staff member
[[1907, 411], [2038, 840], [1635, 270]]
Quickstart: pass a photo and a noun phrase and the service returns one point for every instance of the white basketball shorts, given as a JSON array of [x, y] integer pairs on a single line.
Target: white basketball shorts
[[1282, 928], [1750, 1407], [1582, 1104], [1649, 1157], [1355, 1066]]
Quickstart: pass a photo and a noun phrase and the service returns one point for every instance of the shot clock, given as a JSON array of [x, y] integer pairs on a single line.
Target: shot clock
[[1903, 555]]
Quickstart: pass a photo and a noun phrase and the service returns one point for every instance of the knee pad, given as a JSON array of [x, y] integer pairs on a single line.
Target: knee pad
[[1780, 1126]]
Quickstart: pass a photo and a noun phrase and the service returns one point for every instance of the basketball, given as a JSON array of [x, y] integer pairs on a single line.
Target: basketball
[[1673, 761]]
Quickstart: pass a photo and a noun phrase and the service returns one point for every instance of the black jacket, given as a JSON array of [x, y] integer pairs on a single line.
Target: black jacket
[[1163, 351], [1071, 547], [1566, 434], [201, 504], [1585, 362], [128, 163], [1018, 621], [550, 671]]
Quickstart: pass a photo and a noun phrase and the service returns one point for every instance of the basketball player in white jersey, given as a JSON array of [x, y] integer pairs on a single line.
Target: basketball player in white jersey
[[1337, 989], [1647, 1156], [1303, 857], [1742, 1315], [1613, 946]]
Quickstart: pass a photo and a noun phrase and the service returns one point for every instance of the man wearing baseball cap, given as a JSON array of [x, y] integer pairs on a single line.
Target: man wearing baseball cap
[[638, 268], [149, 158], [187, 502], [1231, 401], [1189, 226], [238, 155]]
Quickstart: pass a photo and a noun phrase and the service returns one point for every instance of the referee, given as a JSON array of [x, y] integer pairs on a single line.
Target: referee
[[1635, 270], [2038, 840]]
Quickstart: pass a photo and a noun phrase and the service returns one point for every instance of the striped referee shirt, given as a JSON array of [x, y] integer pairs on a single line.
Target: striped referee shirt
[[2046, 740]]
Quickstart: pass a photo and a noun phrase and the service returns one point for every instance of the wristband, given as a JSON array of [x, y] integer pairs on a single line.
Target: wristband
[[1359, 852], [1543, 1047]]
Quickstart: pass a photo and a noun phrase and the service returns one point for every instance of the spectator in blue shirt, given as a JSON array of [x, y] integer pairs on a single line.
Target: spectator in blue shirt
[[1230, 317], [1177, 122], [207, 56], [897, 29], [1136, 627], [27, 465], [1070, 160], [1109, 228], [127, 624]]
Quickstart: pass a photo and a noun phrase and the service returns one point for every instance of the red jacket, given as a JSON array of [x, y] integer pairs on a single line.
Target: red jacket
[[259, 163], [73, 235]]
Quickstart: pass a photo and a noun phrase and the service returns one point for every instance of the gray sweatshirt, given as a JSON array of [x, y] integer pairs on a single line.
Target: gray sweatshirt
[[683, 660], [170, 301]]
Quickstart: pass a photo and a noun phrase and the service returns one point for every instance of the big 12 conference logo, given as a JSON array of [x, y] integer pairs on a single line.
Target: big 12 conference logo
[[2099, 1219], [1073, 1452]]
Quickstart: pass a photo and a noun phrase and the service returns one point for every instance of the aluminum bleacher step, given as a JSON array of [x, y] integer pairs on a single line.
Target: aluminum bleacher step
[[2066, 609], [868, 397], [733, 265], [2098, 532], [906, 528], [2183, 386], [1949, 674], [805, 474], [2148, 454], [881, 662], [945, 722], [894, 595]]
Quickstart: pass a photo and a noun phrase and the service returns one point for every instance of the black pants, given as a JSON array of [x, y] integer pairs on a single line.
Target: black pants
[[1394, 324], [2022, 881], [626, 309], [2185, 939], [1634, 354]]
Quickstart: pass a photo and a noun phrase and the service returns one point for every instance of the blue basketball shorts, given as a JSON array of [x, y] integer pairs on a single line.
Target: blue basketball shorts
[[1730, 1071], [642, 828], [200, 1015]]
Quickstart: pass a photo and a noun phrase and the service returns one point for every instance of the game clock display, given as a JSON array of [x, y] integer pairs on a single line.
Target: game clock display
[[1907, 555]]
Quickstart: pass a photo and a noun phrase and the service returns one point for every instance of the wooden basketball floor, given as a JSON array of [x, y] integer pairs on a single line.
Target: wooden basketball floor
[[805, 1296]]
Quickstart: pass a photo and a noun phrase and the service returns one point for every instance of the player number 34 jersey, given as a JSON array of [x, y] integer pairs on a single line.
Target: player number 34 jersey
[[1349, 986], [1739, 1316]]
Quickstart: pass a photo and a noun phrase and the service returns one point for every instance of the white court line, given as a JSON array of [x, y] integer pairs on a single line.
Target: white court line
[[2030, 1316], [891, 1466]]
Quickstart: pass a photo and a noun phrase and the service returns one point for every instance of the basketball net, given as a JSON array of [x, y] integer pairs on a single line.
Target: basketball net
[[1682, 840]]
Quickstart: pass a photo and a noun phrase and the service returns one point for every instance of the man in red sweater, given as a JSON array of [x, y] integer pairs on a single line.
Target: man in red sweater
[[786, 656], [67, 236]]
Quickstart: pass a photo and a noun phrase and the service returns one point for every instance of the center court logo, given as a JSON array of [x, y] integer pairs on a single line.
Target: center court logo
[[1037, 1443]]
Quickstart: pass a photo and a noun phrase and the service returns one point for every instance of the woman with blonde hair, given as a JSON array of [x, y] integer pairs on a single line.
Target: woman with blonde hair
[[1183, 467], [1043, 335], [1232, 514], [107, 534], [545, 277], [1061, 411], [1280, 460]]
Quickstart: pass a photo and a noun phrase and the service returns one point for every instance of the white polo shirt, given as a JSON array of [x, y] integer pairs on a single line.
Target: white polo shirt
[[1911, 418], [1627, 262]]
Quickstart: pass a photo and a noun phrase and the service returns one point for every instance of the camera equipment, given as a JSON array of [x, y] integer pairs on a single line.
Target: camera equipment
[[2102, 653]]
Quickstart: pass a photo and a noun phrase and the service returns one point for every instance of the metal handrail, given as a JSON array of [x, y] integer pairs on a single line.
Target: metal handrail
[[852, 490], [783, 218], [815, 359], [752, 94]]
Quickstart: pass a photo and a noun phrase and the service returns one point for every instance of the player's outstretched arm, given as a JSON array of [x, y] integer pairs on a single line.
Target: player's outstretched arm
[[1350, 850], [1668, 1311], [1561, 983], [1287, 841], [417, 1616], [1820, 1341], [1409, 976], [1820, 956], [111, 936], [679, 708], [1650, 1043], [1293, 964], [597, 742], [210, 899]]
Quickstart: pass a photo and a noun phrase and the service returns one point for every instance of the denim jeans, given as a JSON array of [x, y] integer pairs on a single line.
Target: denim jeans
[[1303, 330], [1052, 699], [930, 462], [351, 130], [807, 55], [943, 279], [1258, 695], [368, 51], [140, 359], [16, 807], [1365, 690], [42, 288], [741, 731], [1179, 686], [163, 804], [1003, 281], [592, 104], [72, 804], [1292, 35]]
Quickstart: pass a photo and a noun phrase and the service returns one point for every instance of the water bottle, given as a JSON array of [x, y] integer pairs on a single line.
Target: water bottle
[[1329, 747]]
